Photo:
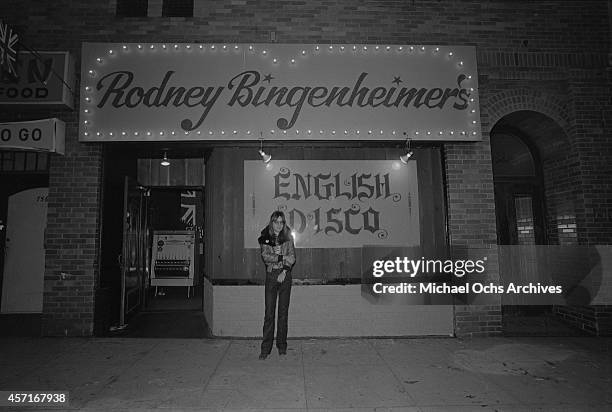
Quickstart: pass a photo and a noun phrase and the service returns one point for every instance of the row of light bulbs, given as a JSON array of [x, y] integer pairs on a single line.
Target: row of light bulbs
[[235, 132], [316, 48], [251, 48]]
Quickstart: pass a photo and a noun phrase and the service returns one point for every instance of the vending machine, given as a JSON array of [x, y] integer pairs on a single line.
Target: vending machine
[[174, 259]]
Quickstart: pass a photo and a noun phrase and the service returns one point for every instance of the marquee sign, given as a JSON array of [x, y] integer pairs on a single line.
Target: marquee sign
[[45, 135], [334, 203], [183, 91]]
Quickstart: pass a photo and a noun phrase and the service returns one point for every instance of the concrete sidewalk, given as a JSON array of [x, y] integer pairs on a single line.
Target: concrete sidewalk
[[503, 374]]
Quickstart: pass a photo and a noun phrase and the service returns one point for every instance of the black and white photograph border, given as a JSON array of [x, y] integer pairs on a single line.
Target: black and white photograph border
[[246, 205]]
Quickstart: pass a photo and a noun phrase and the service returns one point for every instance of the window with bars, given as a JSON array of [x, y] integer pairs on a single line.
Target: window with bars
[[24, 161], [132, 8], [177, 8]]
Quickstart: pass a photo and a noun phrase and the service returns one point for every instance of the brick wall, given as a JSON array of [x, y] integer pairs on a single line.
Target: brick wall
[[557, 49], [72, 239]]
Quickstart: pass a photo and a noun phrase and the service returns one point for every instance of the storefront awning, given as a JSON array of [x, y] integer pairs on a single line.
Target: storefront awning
[[46, 135]]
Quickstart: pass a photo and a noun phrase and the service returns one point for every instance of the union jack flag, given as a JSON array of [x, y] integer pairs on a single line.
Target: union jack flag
[[188, 204], [8, 49]]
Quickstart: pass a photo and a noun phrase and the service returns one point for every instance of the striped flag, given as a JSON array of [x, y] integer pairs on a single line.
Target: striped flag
[[8, 49]]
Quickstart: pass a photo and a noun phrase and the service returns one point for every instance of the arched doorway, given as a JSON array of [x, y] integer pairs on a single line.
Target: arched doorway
[[519, 190], [534, 172]]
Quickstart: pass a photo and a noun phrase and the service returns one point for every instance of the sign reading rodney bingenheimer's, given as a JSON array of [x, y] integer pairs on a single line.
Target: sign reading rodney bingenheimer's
[[281, 91]]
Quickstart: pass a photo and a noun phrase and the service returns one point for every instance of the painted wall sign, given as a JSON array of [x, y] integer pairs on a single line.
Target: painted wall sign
[[36, 84], [334, 203], [47, 135], [278, 91]]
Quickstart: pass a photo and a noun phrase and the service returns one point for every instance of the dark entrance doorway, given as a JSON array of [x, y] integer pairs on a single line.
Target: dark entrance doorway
[[521, 222], [138, 284]]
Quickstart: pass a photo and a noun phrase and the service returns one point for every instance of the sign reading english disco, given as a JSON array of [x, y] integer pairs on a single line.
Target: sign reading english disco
[[139, 92]]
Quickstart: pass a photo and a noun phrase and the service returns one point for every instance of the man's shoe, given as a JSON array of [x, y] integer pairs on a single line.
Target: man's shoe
[[282, 351], [263, 356]]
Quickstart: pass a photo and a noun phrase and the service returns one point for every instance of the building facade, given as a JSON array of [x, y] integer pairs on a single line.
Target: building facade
[[542, 160]]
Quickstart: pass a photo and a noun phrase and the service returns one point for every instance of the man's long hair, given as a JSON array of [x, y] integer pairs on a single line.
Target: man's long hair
[[284, 234]]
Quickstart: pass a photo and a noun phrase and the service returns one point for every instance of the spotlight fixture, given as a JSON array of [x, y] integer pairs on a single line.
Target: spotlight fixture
[[264, 156], [165, 162], [404, 158]]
